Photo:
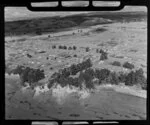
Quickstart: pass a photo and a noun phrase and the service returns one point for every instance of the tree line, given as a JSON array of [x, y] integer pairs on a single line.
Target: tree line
[[90, 77]]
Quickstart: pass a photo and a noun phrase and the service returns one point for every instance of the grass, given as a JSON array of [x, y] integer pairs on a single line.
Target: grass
[[55, 24]]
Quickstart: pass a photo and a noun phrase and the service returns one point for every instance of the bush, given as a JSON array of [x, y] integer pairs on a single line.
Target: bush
[[130, 79], [74, 70], [18, 70], [101, 51], [116, 63], [102, 74], [70, 48], [28, 74], [140, 78], [103, 56], [137, 77], [74, 47], [65, 47], [75, 55], [66, 72], [60, 47], [113, 78], [53, 47], [128, 65], [122, 77], [97, 50], [87, 49], [86, 78]]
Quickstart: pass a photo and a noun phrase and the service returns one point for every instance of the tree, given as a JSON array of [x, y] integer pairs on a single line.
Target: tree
[[140, 78], [102, 74], [87, 49], [73, 69], [130, 79], [128, 65], [70, 48], [74, 47], [28, 74], [65, 47], [122, 77], [103, 56], [114, 79]]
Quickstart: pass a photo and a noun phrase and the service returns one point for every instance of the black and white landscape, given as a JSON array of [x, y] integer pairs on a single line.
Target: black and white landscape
[[68, 65]]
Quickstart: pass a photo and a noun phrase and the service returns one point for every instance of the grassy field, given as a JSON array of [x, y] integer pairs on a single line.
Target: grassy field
[[55, 24], [123, 35]]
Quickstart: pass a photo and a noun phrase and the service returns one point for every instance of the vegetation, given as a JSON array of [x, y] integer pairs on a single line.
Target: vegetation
[[60, 47], [136, 77], [28, 74], [102, 76], [87, 49], [54, 24], [69, 48], [74, 55], [116, 63], [65, 47], [104, 55], [128, 65], [54, 47], [74, 47]]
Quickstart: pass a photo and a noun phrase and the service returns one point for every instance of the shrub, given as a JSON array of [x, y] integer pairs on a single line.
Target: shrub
[[73, 69], [65, 47], [87, 49], [128, 65], [75, 55], [130, 79], [87, 79], [97, 50], [66, 72], [60, 47], [74, 47], [113, 78], [116, 63], [18, 70], [136, 77], [70, 48], [140, 78], [54, 47], [122, 77], [74, 82], [28, 74], [103, 56], [102, 74], [101, 51]]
